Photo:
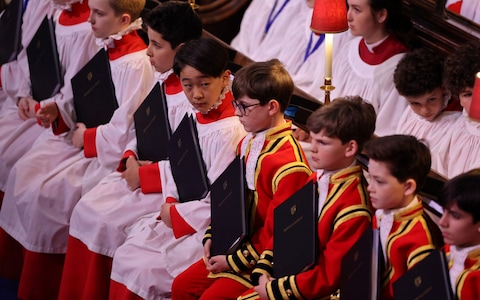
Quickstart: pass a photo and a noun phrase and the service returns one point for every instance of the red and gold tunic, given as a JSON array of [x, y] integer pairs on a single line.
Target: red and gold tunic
[[281, 170], [412, 237], [344, 216], [467, 284]]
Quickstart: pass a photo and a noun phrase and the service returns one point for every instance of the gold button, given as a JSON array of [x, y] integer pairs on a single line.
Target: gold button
[[252, 262], [245, 253], [289, 292]]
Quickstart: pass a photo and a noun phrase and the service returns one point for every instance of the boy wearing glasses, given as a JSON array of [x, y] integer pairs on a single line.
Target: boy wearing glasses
[[276, 168]]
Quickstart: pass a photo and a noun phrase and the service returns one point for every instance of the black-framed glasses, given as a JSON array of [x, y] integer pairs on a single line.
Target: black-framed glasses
[[242, 108]]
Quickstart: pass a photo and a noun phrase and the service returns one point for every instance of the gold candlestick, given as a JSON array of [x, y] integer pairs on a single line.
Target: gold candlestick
[[193, 4]]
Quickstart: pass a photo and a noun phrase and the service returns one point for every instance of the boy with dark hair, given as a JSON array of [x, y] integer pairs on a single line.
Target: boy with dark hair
[[419, 78], [460, 226], [338, 131], [116, 202], [398, 168]]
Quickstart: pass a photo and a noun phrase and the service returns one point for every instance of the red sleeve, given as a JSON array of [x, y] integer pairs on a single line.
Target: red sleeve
[[59, 126], [150, 180], [179, 226], [123, 161], [37, 107], [89, 142]]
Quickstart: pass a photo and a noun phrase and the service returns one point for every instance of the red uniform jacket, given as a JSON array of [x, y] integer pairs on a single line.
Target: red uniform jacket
[[281, 170], [467, 284], [412, 237], [345, 215]]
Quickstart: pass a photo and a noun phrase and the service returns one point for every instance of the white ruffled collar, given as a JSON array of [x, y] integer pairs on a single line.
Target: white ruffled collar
[[66, 6], [109, 41]]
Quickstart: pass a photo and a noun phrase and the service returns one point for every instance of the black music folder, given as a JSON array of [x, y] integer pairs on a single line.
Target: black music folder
[[94, 92], [362, 268], [186, 160], [295, 240], [228, 209], [152, 127], [11, 31], [429, 279], [45, 70]]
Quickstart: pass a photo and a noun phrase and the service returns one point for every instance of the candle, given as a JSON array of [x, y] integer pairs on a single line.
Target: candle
[[328, 55]]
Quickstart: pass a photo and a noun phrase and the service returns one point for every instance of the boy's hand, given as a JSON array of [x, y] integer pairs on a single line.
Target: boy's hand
[[165, 214], [130, 174], [26, 108], [47, 114], [261, 288], [218, 264], [206, 252], [77, 138]]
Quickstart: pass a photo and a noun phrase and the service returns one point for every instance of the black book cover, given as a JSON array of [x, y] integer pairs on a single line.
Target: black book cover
[[295, 241], [11, 31], [228, 209], [45, 70], [429, 279], [186, 160], [362, 268], [94, 92], [152, 127]]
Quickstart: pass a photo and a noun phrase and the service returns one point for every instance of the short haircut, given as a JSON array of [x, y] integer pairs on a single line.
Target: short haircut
[[130, 7], [404, 155], [461, 67], [463, 190], [418, 72], [347, 118], [176, 21], [204, 54], [264, 81]]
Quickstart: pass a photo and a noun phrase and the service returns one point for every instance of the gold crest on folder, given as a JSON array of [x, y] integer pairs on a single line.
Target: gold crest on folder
[[418, 281], [293, 209]]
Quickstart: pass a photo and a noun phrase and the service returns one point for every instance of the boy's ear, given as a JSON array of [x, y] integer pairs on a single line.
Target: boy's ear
[[225, 78], [410, 186], [126, 19], [178, 47], [381, 16], [273, 107], [447, 95], [352, 148]]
